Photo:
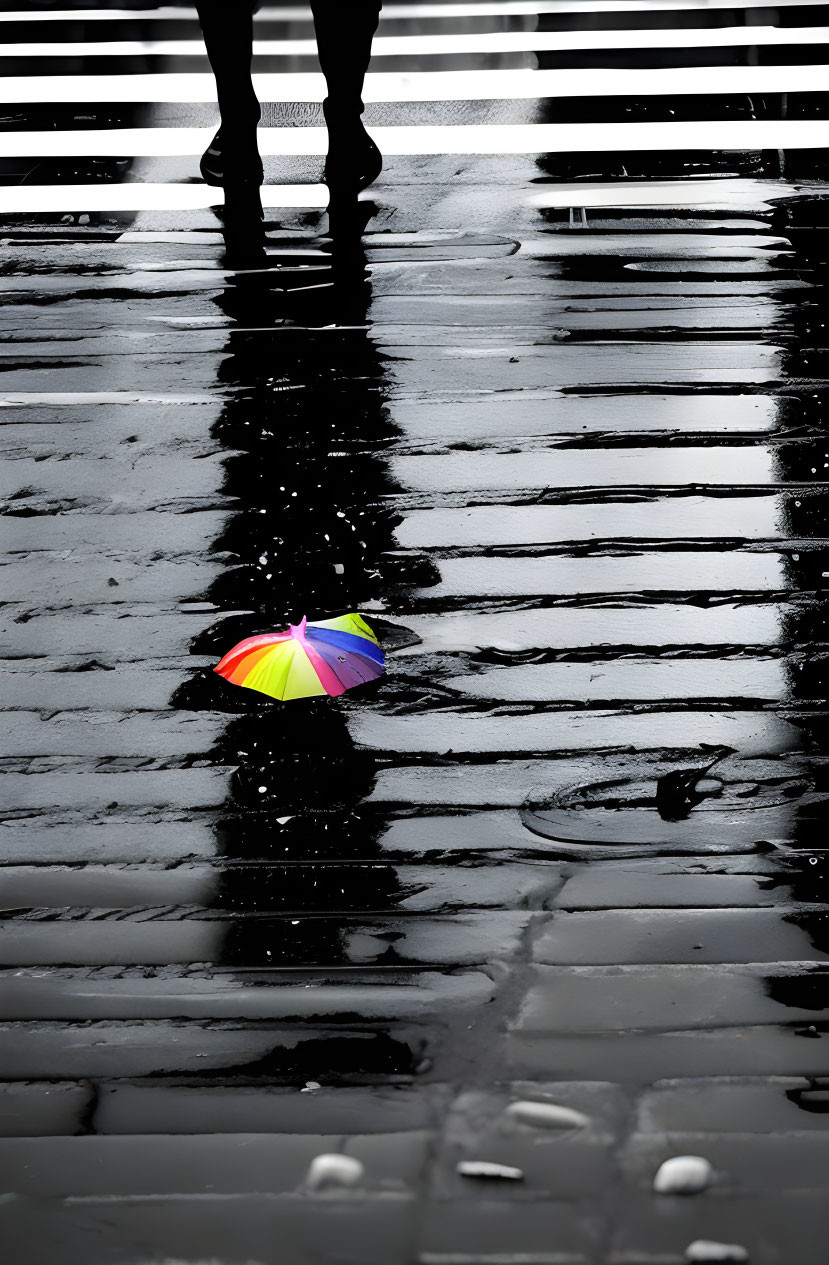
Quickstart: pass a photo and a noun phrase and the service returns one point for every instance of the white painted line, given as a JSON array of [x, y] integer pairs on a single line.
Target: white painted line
[[14, 399], [436, 85], [530, 138], [393, 12], [26, 199], [450, 45], [390, 9], [710, 193], [163, 14]]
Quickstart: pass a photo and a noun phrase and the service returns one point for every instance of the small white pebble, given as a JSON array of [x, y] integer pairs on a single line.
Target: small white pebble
[[83, 219], [708, 1250], [327, 1171], [547, 1115], [683, 1175], [483, 1168]]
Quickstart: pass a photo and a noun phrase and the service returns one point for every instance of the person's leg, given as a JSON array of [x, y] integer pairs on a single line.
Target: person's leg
[[344, 35], [232, 156]]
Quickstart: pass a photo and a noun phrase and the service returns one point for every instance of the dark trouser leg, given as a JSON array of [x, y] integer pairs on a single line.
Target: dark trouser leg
[[344, 33], [227, 26]]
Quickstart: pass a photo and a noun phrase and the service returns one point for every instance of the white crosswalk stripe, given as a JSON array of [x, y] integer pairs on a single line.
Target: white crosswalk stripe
[[396, 12], [447, 45], [447, 139], [455, 85]]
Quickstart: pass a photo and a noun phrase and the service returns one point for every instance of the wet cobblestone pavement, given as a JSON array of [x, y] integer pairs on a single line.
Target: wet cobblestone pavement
[[562, 438]]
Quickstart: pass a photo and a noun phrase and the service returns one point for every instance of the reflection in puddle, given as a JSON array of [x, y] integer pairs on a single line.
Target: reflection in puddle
[[302, 883]]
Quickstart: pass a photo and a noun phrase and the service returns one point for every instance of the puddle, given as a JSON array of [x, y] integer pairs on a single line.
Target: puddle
[[718, 811]]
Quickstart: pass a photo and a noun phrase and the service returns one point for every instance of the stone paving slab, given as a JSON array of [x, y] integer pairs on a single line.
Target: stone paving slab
[[660, 885], [298, 887], [55, 1108], [106, 734], [57, 840], [377, 1231], [158, 940], [67, 842], [639, 1058], [345, 1110], [55, 1051], [782, 1104], [668, 998], [227, 1164], [663, 935], [514, 735], [168, 789], [395, 993]]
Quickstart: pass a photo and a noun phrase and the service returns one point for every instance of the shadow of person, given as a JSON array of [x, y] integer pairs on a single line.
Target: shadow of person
[[301, 882], [307, 855]]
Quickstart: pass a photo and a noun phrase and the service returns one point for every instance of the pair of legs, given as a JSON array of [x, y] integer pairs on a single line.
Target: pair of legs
[[344, 30]]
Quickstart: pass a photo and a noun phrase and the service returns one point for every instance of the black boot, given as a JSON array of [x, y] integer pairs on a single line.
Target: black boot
[[232, 163], [353, 161]]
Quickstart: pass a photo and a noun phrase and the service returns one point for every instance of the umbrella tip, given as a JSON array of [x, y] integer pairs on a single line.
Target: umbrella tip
[[303, 624]]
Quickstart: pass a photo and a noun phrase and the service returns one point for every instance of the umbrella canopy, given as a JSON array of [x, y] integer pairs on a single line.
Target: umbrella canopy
[[326, 657]]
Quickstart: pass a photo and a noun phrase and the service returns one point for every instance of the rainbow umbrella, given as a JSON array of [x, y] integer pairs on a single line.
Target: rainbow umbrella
[[326, 657]]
